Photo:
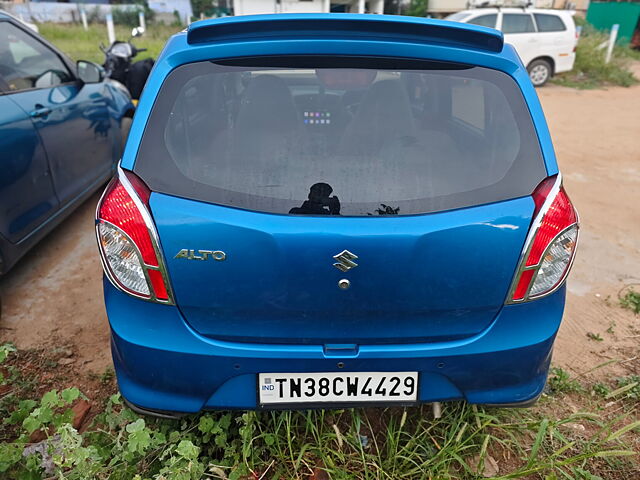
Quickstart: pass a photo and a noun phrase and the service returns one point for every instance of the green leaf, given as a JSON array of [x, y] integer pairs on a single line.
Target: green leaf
[[5, 349], [221, 440], [24, 409], [622, 390], [139, 437], [136, 426], [544, 425], [31, 424], [50, 399], [269, 439], [69, 395], [206, 424], [615, 453], [139, 441], [225, 421], [186, 449], [45, 414], [623, 430], [10, 454]]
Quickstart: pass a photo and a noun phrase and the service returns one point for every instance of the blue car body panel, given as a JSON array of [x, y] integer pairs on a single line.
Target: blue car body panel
[[24, 169], [434, 316], [51, 162], [163, 364], [428, 291]]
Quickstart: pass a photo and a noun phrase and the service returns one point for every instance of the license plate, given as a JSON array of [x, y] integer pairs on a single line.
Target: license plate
[[360, 387]]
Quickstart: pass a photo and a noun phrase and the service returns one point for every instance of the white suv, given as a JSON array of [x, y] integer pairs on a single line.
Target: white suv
[[544, 39]]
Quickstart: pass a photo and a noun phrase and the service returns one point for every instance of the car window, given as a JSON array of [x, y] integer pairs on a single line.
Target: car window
[[517, 23], [549, 23], [307, 135], [457, 17], [467, 102], [485, 20], [26, 63]]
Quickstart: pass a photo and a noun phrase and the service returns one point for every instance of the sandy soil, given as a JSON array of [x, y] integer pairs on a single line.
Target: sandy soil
[[54, 296], [596, 134]]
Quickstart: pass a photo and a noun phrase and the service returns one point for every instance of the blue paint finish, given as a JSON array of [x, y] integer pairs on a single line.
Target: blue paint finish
[[76, 133], [350, 26], [24, 169], [163, 364], [438, 296], [51, 162], [278, 282]]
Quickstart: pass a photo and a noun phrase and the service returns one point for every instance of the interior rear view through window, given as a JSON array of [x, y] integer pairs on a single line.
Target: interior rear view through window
[[311, 137]]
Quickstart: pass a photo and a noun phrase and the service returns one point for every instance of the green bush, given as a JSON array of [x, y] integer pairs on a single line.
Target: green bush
[[417, 8], [38, 440], [630, 300], [129, 16], [590, 69]]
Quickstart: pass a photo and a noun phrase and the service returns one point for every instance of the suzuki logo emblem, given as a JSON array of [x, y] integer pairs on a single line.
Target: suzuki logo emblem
[[345, 261]]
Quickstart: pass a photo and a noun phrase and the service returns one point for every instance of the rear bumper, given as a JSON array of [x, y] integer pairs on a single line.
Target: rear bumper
[[163, 365], [564, 62]]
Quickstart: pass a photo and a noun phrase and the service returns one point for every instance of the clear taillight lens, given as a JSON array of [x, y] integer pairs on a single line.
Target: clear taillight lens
[[123, 259], [555, 262], [128, 241], [551, 245]]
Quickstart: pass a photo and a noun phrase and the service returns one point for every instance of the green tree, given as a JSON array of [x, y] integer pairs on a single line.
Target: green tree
[[418, 8]]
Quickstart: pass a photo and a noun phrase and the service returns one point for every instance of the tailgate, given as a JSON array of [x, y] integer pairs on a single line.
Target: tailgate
[[421, 278]]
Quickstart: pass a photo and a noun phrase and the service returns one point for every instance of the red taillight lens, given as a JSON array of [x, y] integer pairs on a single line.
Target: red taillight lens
[[119, 208], [126, 239], [557, 217], [550, 247]]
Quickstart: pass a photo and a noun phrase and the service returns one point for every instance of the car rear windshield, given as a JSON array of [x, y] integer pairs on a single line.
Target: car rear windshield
[[340, 136]]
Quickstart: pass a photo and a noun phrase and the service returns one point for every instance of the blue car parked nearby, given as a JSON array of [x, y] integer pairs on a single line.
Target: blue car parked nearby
[[330, 210], [61, 135]]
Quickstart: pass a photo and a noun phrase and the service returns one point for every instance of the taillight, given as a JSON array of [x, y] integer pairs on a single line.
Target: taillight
[[128, 241], [551, 244]]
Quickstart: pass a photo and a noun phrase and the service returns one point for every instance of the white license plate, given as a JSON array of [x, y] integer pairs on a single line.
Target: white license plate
[[337, 387]]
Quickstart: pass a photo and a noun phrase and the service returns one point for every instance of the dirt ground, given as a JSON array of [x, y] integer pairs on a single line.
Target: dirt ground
[[53, 297]]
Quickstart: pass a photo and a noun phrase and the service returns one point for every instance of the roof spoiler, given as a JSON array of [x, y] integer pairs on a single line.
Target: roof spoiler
[[344, 26]]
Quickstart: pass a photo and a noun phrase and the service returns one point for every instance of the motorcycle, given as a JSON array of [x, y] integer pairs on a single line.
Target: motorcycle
[[118, 64]]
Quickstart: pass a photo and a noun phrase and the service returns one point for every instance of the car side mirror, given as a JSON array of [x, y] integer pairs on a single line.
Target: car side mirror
[[89, 72], [137, 32]]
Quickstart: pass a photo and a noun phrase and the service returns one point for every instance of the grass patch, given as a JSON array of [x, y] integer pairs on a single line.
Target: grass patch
[[38, 439], [560, 382], [630, 299], [79, 44], [590, 69]]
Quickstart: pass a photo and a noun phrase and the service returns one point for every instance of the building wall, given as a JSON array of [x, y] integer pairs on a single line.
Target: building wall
[[252, 7], [57, 12], [183, 7], [603, 15], [446, 6]]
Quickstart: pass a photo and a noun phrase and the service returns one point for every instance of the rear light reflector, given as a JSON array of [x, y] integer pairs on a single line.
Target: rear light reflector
[[119, 209], [127, 240], [559, 215], [555, 262], [123, 258], [550, 246]]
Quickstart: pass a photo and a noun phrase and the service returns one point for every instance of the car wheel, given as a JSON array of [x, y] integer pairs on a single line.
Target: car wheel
[[539, 72], [125, 126]]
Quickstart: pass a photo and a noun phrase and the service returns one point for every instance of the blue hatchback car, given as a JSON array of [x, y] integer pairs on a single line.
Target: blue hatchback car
[[61, 135], [332, 210]]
